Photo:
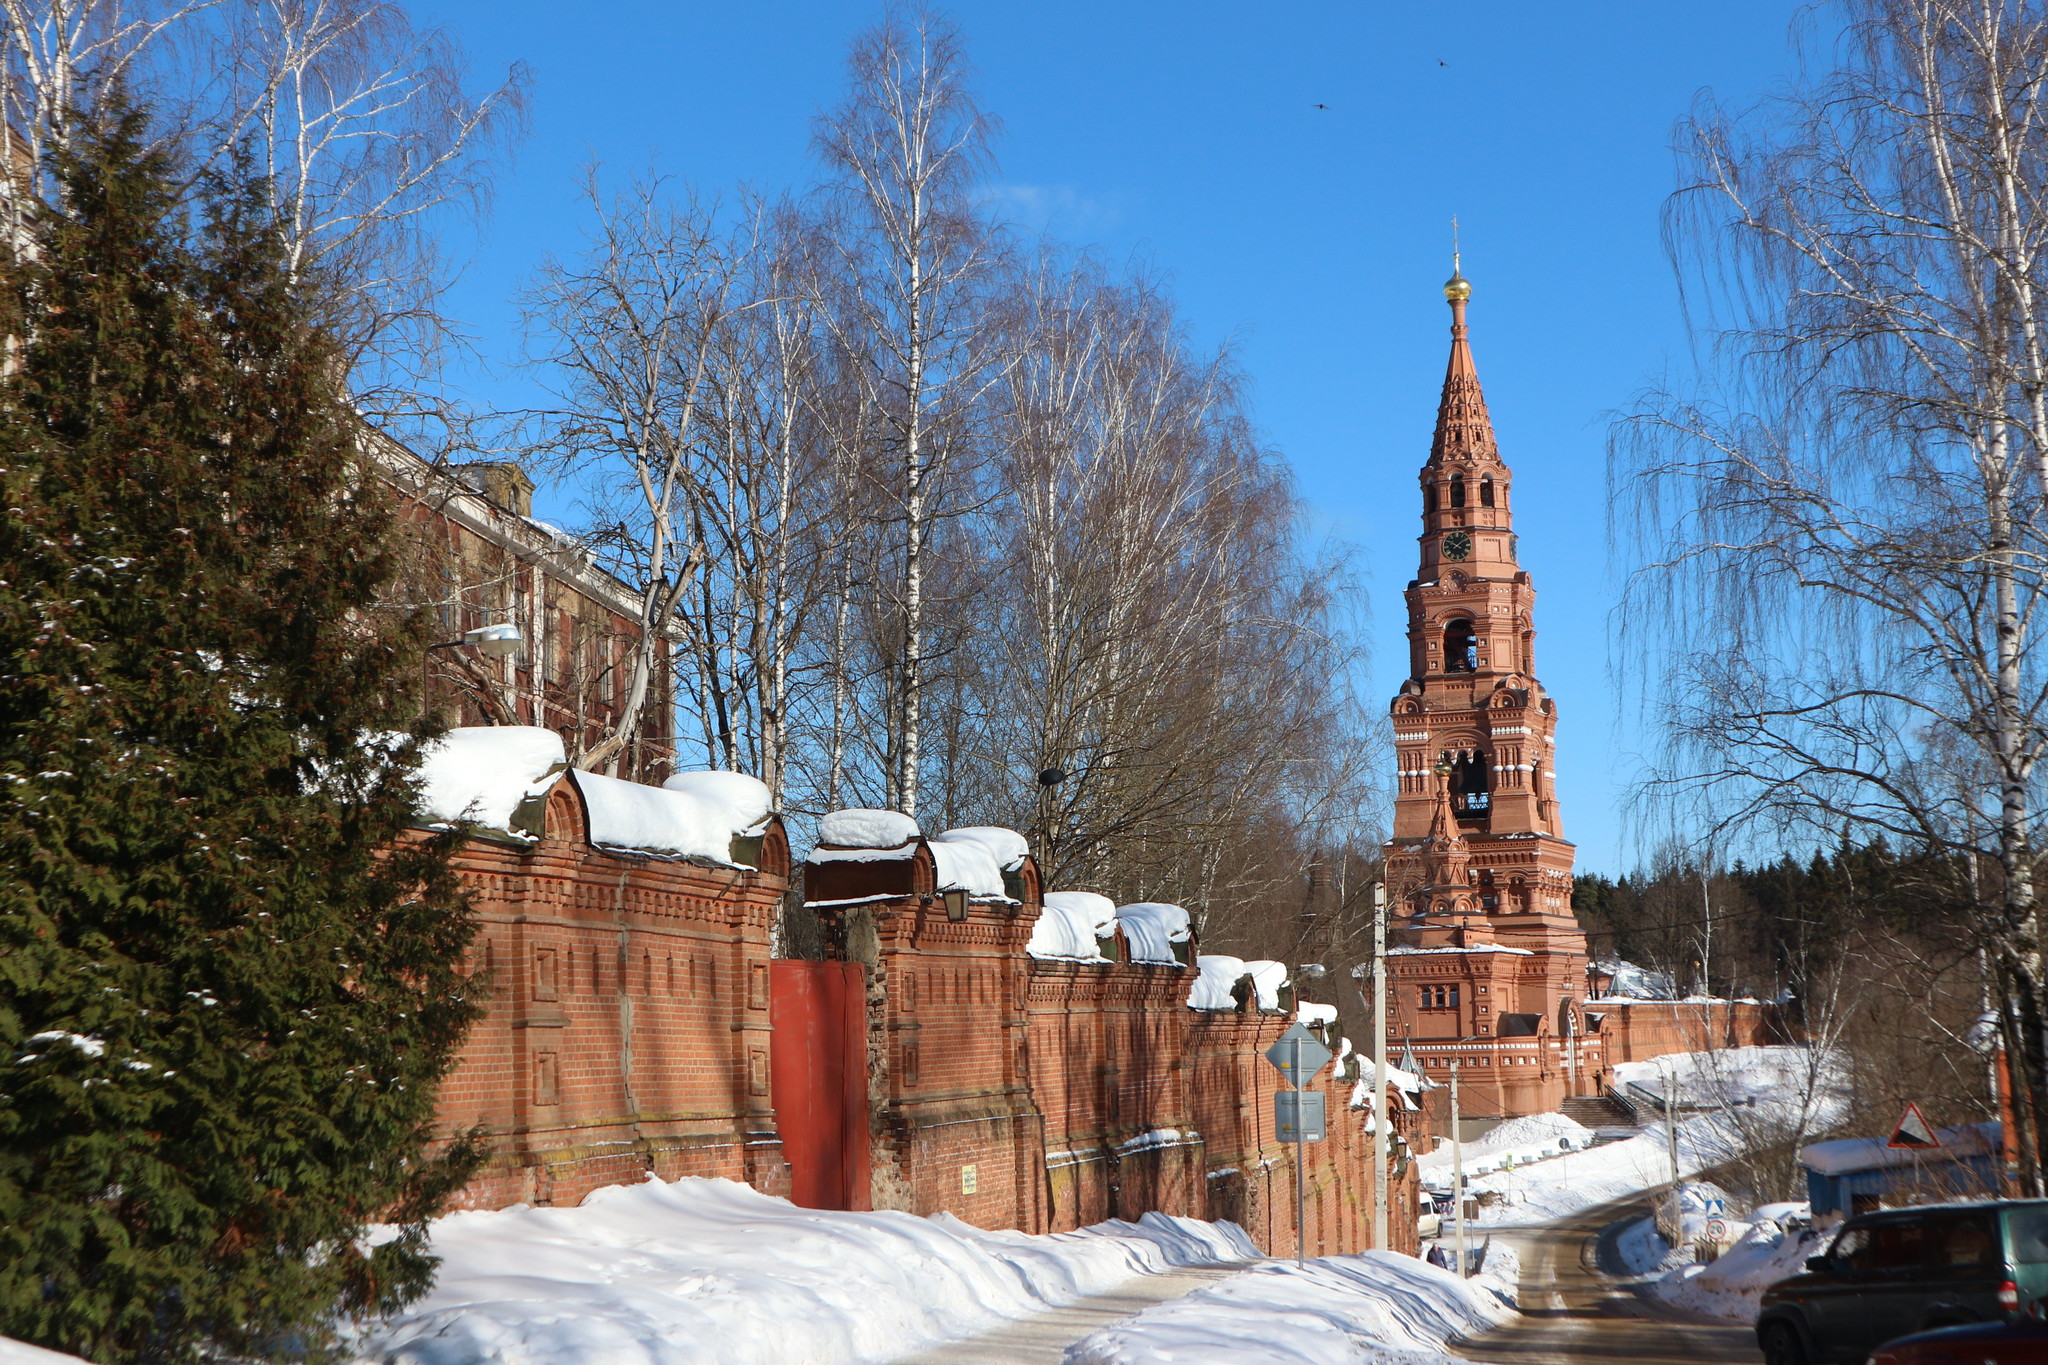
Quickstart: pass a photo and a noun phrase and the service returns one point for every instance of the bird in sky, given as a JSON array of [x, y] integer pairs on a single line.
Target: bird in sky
[[1441, 62], [1322, 106]]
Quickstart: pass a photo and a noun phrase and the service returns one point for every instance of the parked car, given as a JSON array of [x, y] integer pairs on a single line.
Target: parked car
[[1902, 1271], [1984, 1343]]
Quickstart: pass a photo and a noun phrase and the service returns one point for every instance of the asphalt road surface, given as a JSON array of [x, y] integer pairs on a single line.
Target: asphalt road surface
[[1577, 1306]]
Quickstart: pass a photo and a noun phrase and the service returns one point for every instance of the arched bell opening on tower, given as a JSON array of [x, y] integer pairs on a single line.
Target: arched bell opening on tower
[[1457, 491], [1461, 647], [1471, 787], [1429, 497], [1486, 491]]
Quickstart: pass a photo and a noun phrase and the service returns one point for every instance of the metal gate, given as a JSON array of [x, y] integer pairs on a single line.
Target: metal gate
[[819, 1079]]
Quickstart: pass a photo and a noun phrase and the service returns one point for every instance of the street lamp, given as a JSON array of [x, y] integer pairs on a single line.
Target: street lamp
[[500, 641]]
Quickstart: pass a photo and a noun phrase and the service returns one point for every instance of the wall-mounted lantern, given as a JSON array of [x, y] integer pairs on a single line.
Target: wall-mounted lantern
[[956, 904]]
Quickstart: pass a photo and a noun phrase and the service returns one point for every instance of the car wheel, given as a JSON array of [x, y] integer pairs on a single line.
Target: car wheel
[[1782, 1345]]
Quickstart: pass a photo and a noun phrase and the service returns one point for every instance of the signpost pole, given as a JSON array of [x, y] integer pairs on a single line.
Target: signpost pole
[[1382, 1117], [1298, 1145], [1457, 1172], [1298, 1056]]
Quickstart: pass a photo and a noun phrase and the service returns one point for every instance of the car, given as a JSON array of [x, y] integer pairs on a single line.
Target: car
[[1895, 1272], [1982, 1343]]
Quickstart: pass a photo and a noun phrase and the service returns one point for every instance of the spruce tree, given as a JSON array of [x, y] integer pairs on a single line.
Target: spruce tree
[[229, 981]]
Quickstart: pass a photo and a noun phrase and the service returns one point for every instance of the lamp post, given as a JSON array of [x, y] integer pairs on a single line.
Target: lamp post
[[1382, 1111], [500, 641]]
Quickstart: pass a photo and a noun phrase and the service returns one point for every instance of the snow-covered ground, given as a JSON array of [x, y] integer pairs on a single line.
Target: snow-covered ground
[[1739, 1075], [713, 1271], [1516, 1142], [14, 1352], [1736, 1094], [1375, 1308], [1771, 1245]]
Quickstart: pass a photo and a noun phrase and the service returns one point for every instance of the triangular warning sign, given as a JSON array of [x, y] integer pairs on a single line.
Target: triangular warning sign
[[1913, 1130]]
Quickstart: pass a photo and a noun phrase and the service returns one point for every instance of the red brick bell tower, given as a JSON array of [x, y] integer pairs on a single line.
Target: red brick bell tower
[[1490, 963]]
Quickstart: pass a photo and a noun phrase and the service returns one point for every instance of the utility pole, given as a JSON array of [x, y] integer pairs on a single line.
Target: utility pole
[[1671, 1145], [1382, 1115], [1457, 1172]]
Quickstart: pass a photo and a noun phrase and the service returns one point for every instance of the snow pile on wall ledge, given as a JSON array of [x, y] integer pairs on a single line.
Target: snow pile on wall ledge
[[1635, 983], [1072, 927], [1006, 848], [704, 1271], [642, 819], [481, 774], [867, 829], [1221, 972], [1336, 1310], [974, 859], [1314, 1016], [741, 802], [1152, 928]]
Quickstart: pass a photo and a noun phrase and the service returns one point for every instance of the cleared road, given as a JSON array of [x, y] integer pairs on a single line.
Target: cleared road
[[1572, 1311]]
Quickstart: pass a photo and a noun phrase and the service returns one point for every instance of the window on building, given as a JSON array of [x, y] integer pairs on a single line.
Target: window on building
[[1471, 785], [1429, 497], [1486, 492], [1457, 491], [1461, 647]]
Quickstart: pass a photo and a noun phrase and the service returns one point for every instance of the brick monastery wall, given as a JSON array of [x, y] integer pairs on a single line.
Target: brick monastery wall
[[1047, 1095], [1639, 1030], [627, 1030]]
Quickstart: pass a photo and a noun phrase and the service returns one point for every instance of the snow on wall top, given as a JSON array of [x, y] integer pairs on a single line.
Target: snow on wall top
[[740, 801], [482, 773], [1635, 983], [641, 819], [1007, 847], [1219, 972], [1405, 1085], [1315, 1016], [1072, 925], [964, 864], [1153, 927], [867, 829]]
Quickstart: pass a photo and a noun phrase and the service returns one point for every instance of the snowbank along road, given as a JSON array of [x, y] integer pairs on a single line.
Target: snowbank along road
[[1576, 1307]]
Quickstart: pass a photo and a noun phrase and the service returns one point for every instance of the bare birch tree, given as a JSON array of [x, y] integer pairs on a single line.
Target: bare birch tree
[[1849, 530], [362, 121], [627, 336], [1154, 638], [905, 151]]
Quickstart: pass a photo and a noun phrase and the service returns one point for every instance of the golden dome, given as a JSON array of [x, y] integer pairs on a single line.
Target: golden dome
[[1457, 287]]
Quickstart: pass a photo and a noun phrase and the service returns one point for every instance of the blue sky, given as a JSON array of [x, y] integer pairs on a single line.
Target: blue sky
[[1313, 240]]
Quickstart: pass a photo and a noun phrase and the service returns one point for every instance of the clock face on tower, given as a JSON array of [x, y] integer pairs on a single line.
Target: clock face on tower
[[1458, 545]]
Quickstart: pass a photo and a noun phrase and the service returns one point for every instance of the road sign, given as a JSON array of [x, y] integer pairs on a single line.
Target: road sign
[[1716, 1207], [1914, 1131], [1314, 1056], [1298, 1115], [1717, 1231]]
